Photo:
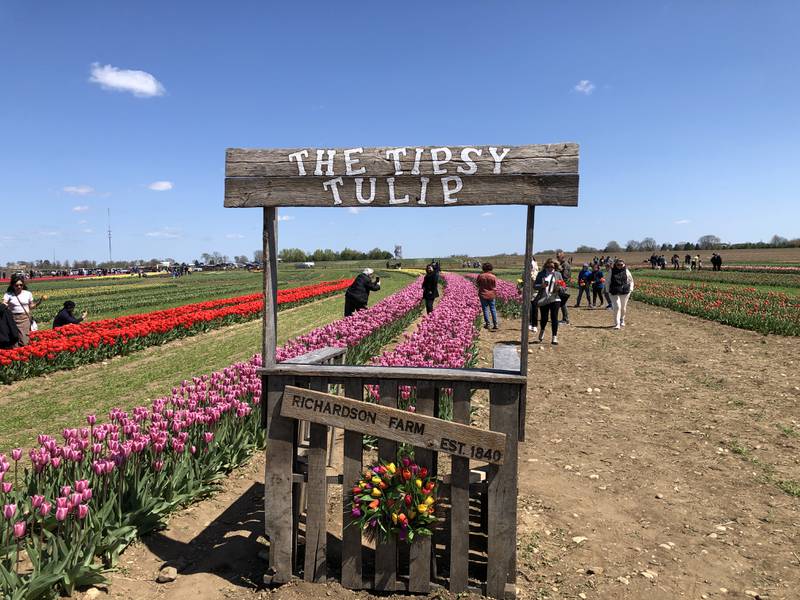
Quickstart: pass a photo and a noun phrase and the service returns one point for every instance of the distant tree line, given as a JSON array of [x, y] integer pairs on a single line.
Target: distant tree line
[[320, 255], [706, 242]]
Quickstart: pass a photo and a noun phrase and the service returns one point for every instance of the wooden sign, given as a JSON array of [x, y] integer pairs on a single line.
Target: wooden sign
[[394, 424], [403, 176]]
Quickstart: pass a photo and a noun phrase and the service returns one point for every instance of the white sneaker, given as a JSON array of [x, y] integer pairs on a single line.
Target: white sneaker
[[617, 326], [623, 323], [532, 328], [555, 340]]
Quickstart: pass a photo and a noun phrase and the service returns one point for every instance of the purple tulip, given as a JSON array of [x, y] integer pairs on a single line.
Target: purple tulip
[[9, 510], [36, 501], [83, 510], [16, 454], [44, 509], [61, 514], [19, 529], [81, 485], [7, 487], [66, 490], [356, 512]]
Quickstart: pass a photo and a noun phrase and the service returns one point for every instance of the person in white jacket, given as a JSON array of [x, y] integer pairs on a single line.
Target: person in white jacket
[[620, 288]]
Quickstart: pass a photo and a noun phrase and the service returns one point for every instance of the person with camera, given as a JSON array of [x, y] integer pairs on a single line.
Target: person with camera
[[357, 295], [430, 287], [66, 315]]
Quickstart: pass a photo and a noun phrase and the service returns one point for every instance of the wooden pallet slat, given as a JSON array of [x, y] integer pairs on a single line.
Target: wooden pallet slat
[[419, 579], [386, 551], [315, 568], [459, 499], [352, 576]]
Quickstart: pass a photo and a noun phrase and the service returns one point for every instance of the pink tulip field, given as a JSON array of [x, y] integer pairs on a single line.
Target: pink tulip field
[[73, 503]]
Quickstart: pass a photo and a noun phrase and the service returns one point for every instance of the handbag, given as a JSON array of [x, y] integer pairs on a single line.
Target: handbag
[[548, 295], [34, 325]]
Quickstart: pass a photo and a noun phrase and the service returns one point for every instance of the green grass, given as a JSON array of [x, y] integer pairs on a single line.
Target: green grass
[[50, 403]]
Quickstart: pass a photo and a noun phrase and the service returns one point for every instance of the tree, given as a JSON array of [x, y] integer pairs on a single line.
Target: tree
[[778, 241], [258, 256], [613, 246], [632, 246], [398, 252], [292, 255], [708, 242], [240, 259], [585, 249], [648, 244]]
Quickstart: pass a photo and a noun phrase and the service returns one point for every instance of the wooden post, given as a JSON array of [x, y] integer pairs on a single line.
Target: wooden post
[[352, 577], [386, 551], [419, 573], [315, 568], [270, 286], [502, 513], [526, 310], [459, 500]]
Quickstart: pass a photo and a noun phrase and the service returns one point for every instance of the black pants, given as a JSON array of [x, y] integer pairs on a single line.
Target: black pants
[[534, 315], [351, 305], [551, 311], [564, 309], [429, 305], [581, 292]]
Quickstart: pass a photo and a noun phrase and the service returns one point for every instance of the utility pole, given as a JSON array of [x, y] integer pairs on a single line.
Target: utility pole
[[109, 237]]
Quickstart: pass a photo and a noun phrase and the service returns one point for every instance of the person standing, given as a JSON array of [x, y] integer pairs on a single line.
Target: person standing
[[357, 295], [549, 283], [534, 312], [565, 269], [584, 285], [430, 288], [620, 287], [598, 282], [9, 334], [66, 316], [487, 284], [21, 303]]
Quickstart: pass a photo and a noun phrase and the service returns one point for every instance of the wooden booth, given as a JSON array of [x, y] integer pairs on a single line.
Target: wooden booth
[[474, 548]]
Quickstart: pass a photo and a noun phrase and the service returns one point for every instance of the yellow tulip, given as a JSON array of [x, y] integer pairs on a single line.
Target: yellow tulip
[[394, 518], [418, 482], [429, 500], [376, 480], [422, 509], [391, 468], [376, 492]]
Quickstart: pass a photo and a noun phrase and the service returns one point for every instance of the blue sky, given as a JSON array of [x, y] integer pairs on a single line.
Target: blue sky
[[686, 113]]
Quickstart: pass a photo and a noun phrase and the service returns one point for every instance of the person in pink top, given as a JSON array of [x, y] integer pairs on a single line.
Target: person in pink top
[[487, 283]]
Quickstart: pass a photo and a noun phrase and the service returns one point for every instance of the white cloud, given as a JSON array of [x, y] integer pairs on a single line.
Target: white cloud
[[354, 210], [87, 230], [584, 86], [165, 233], [82, 222], [78, 190], [161, 186], [285, 218], [140, 83], [682, 221], [234, 236], [487, 214], [81, 208]]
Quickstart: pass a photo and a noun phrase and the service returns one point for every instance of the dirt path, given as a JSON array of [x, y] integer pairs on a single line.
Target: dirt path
[[677, 476]]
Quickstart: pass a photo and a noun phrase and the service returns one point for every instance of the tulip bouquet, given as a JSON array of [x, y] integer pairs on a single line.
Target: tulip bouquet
[[394, 500]]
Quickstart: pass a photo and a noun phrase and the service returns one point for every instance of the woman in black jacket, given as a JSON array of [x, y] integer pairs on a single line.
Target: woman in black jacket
[[357, 295], [430, 287]]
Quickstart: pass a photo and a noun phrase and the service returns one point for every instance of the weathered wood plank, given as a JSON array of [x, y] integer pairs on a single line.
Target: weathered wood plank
[[394, 425], [317, 499], [502, 499], [386, 551], [316, 357], [270, 324], [278, 486], [419, 577], [352, 577], [506, 357], [550, 190], [459, 500], [542, 159], [337, 373], [526, 310]]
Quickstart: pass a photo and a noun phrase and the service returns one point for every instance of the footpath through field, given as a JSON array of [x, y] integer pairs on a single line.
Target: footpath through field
[[676, 476]]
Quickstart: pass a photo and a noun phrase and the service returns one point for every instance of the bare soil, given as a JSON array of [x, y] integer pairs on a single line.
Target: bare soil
[[661, 461]]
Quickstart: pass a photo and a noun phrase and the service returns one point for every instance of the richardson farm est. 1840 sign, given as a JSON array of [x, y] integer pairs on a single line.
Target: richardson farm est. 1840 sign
[[403, 176], [394, 424]]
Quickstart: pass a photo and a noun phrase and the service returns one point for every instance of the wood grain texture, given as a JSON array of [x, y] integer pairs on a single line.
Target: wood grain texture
[[339, 373], [269, 321], [526, 310], [419, 575], [317, 499], [459, 499], [278, 486], [317, 357], [549, 190], [393, 424], [352, 577], [386, 550], [502, 493], [539, 159]]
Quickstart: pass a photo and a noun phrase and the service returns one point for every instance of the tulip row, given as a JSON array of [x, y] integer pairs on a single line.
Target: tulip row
[[787, 269], [753, 278], [90, 495], [508, 297], [738, 306], [74, 345]]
